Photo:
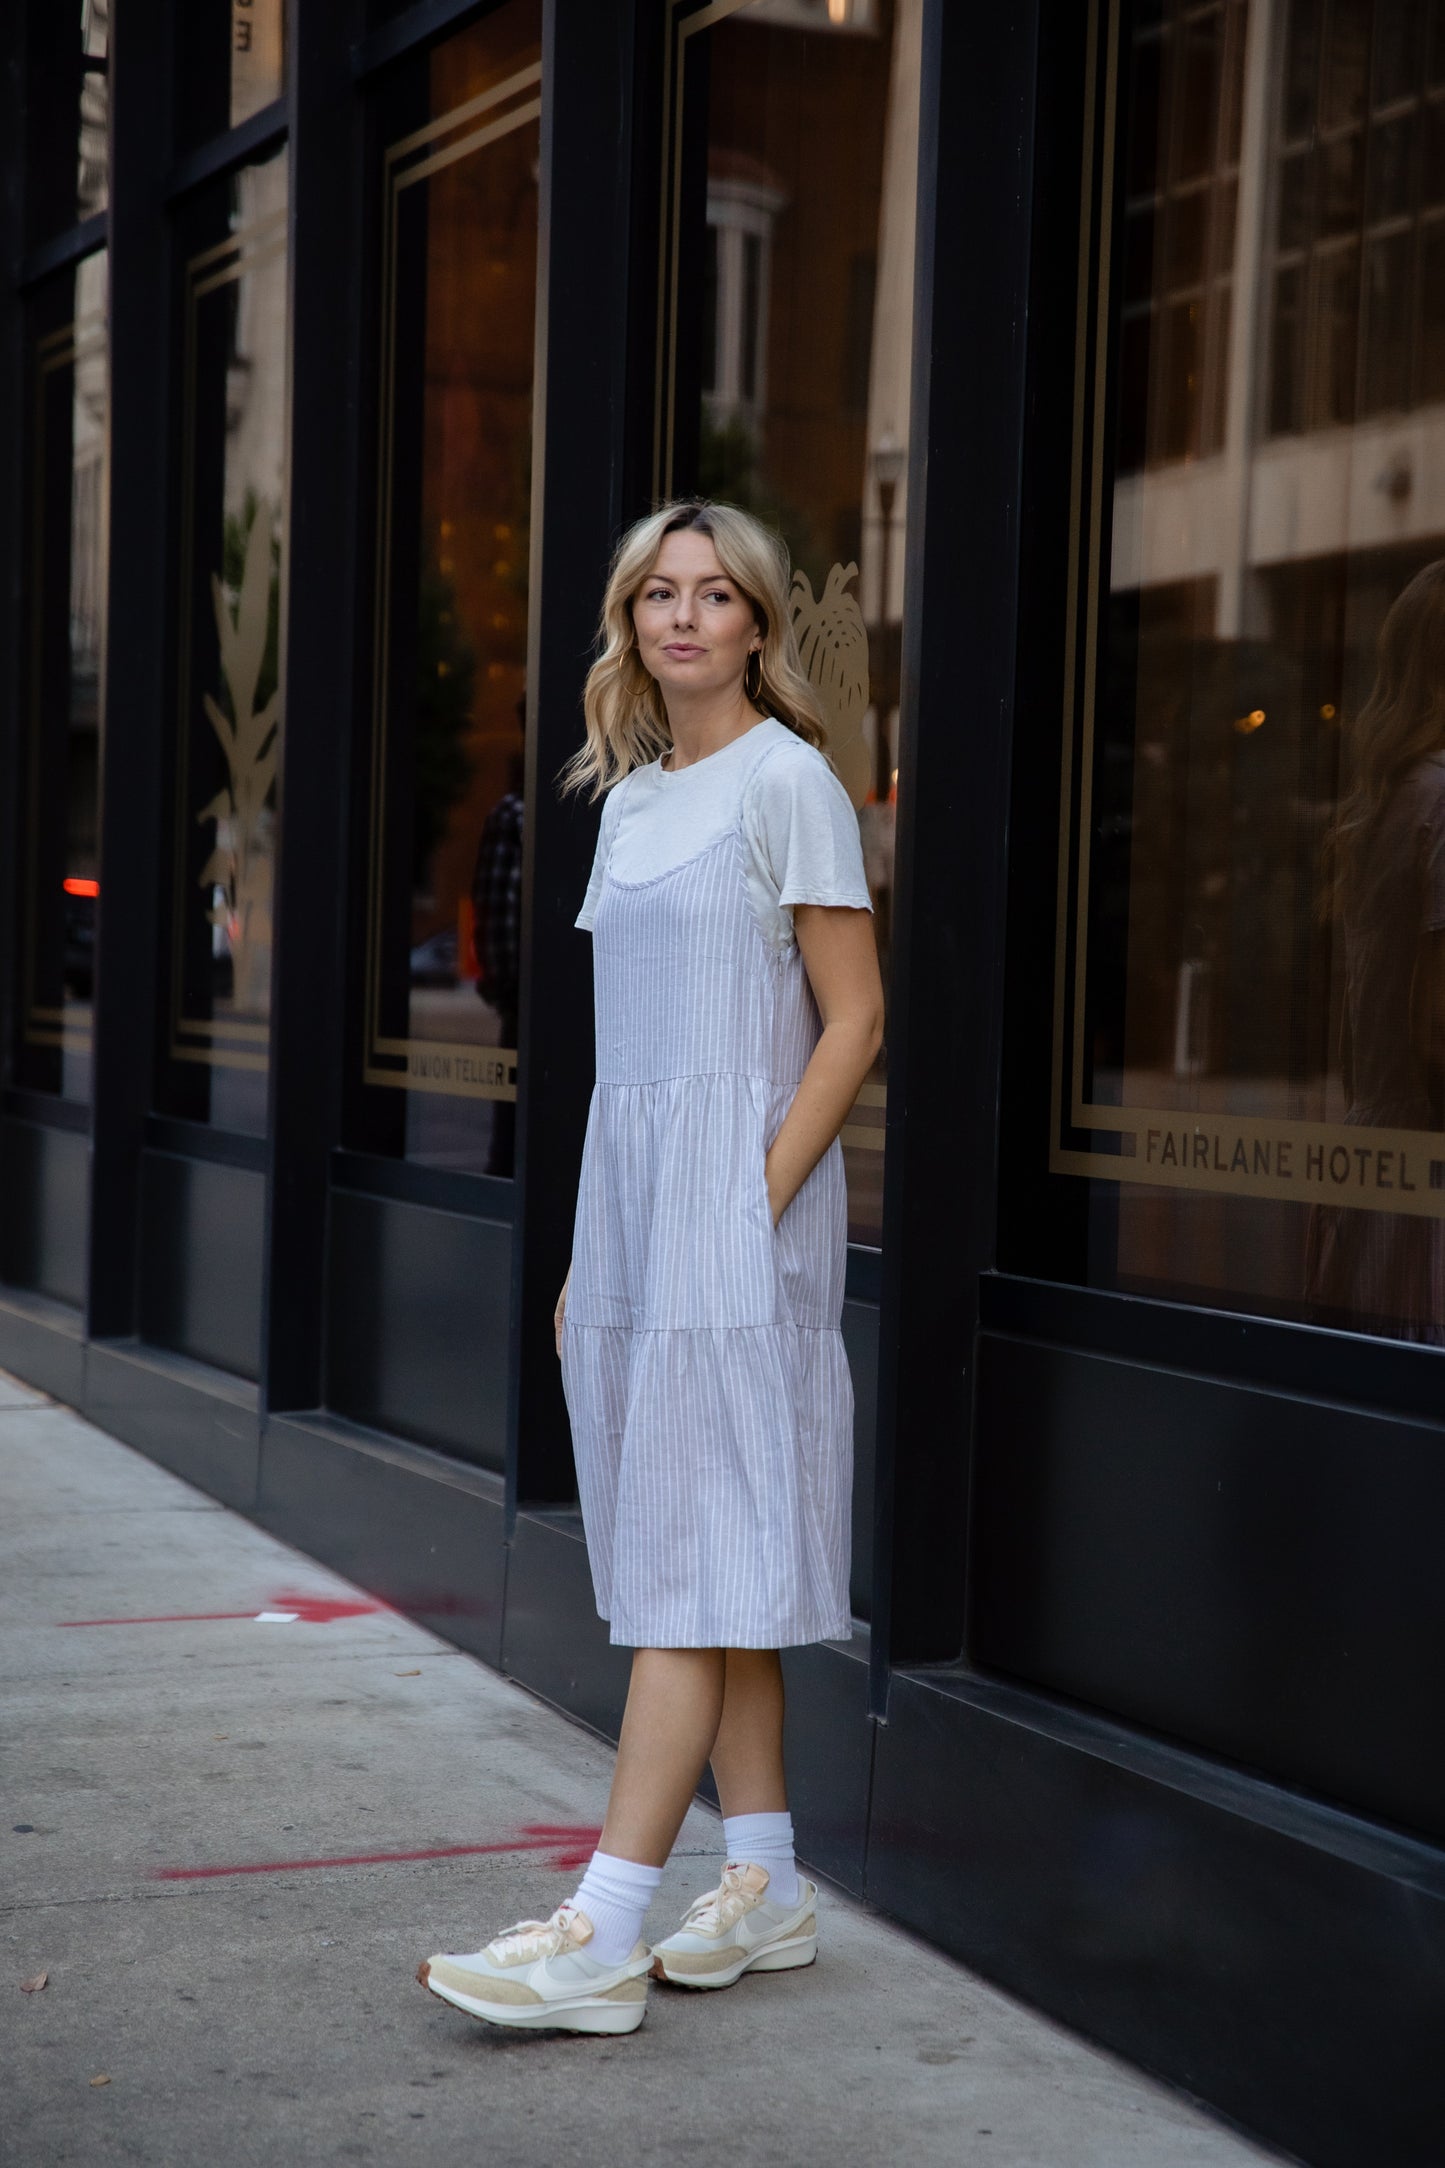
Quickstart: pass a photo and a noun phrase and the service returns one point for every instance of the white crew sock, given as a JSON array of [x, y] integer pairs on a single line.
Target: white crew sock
[[615, 1894], [765, 1840]]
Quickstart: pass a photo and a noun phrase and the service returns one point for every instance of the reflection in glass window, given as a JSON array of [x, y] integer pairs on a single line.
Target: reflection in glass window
[[1361, 121], [61, 758], [1181, 197], [444, 874], [93, 178], [785, 343], [229, 662], [258, 56], [1250, 1037]]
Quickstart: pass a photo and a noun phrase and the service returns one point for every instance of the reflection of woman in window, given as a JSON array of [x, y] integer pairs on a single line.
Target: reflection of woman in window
[[1385, 1272], [738, 1011]]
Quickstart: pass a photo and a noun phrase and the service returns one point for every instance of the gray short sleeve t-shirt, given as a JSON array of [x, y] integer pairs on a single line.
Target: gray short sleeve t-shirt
[[798, 823]]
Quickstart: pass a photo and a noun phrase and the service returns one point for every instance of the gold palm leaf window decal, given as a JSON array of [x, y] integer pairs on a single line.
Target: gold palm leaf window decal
[[238, 874], [833, 648]]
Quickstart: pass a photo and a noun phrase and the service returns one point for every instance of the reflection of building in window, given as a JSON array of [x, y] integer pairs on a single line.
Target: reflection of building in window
[[1181, 198], [256, 375], [817, 14], [93, 177], [1357, 277], [743, 199], [87, 514], [258, 56], [1307, 421]]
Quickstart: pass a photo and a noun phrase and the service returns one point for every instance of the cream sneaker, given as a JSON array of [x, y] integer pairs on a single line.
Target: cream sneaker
[[733, 1930], [539, 1975]]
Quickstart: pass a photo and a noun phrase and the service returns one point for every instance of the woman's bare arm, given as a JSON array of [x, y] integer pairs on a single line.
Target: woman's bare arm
[[841, 960], [560, 1312]]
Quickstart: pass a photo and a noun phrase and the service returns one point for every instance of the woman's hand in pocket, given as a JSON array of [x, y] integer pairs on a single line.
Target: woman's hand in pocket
[[559, 1314], [776, 1205]]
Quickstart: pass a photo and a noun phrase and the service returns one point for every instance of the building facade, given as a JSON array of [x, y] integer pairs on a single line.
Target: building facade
[[1090, 357]]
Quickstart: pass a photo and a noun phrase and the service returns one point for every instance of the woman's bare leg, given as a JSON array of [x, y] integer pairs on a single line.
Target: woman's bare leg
[[674, 1707], [747, 1754]]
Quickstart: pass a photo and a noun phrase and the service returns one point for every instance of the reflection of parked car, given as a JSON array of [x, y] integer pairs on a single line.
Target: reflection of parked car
[[79, 945], [434, 961]]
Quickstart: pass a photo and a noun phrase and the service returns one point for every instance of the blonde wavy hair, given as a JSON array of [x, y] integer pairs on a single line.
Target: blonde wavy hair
[[622, 702]]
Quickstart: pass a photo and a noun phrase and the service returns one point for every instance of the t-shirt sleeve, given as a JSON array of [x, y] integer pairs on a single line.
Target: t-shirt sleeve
[[605, 834], [802, 825]]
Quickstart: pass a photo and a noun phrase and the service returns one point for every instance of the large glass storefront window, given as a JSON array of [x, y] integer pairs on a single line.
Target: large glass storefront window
[[458, 162], [232, 439], [784, 356], [1250, 1026], [61, 708]]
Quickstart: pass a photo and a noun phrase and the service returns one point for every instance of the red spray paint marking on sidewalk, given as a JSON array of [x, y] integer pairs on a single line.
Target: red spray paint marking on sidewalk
[[310, 1611], [569, 1846]]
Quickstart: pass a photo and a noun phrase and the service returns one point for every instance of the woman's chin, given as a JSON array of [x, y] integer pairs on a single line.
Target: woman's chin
[[675, 677]]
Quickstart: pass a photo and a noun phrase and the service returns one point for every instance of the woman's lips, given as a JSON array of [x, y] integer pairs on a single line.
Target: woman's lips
[[676, 647]]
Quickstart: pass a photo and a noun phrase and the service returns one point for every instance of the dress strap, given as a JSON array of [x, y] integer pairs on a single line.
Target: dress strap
[[615, 793]]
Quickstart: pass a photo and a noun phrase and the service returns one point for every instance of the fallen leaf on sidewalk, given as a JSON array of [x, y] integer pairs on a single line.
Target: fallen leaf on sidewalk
[[407, 1674], [33, 1987], [220, 1735], [103, 2079]]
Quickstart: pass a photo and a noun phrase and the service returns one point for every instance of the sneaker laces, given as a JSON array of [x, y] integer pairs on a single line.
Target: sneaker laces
[[720, 1907], [532, 1938]]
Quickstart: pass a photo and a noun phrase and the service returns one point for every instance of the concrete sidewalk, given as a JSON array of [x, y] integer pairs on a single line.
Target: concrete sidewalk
[[227, 1846]]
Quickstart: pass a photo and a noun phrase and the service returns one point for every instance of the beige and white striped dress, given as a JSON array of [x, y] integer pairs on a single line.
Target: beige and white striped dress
[[702, 1357]]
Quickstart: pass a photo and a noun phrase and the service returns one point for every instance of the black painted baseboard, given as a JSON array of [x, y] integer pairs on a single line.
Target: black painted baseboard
[[424, 1533], [554, 1642], [1254, 1573], [43, 1342], [201, 1423], [1279, 1958], [45, 1182], [829, 1743]]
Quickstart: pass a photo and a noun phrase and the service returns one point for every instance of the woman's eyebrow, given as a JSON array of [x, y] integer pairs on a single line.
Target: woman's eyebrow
[[707, 579]]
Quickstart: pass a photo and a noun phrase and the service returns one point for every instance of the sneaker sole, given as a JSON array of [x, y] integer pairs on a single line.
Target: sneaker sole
[[782, 1957], [580, 2017]]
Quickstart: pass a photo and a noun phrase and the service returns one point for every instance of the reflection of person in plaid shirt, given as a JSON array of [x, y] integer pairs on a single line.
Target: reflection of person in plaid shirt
[[497, 940]]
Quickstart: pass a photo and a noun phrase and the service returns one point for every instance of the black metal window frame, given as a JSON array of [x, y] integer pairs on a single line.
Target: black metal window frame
[[27, 269]]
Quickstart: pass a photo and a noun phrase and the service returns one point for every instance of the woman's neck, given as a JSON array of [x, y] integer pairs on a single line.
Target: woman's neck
[[702, 727]]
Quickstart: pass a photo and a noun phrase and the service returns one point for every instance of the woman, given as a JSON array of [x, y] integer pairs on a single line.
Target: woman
[[738, 1009], [1372, 1271]]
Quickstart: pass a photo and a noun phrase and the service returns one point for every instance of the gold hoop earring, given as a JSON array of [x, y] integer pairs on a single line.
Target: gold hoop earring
[[621, 663], [754, 692]]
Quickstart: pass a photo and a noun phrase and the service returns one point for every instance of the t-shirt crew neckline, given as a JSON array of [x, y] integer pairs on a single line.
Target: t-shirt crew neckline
[[679, 775]]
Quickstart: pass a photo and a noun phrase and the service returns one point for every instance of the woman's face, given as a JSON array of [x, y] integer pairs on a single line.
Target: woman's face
[[695, 627]]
